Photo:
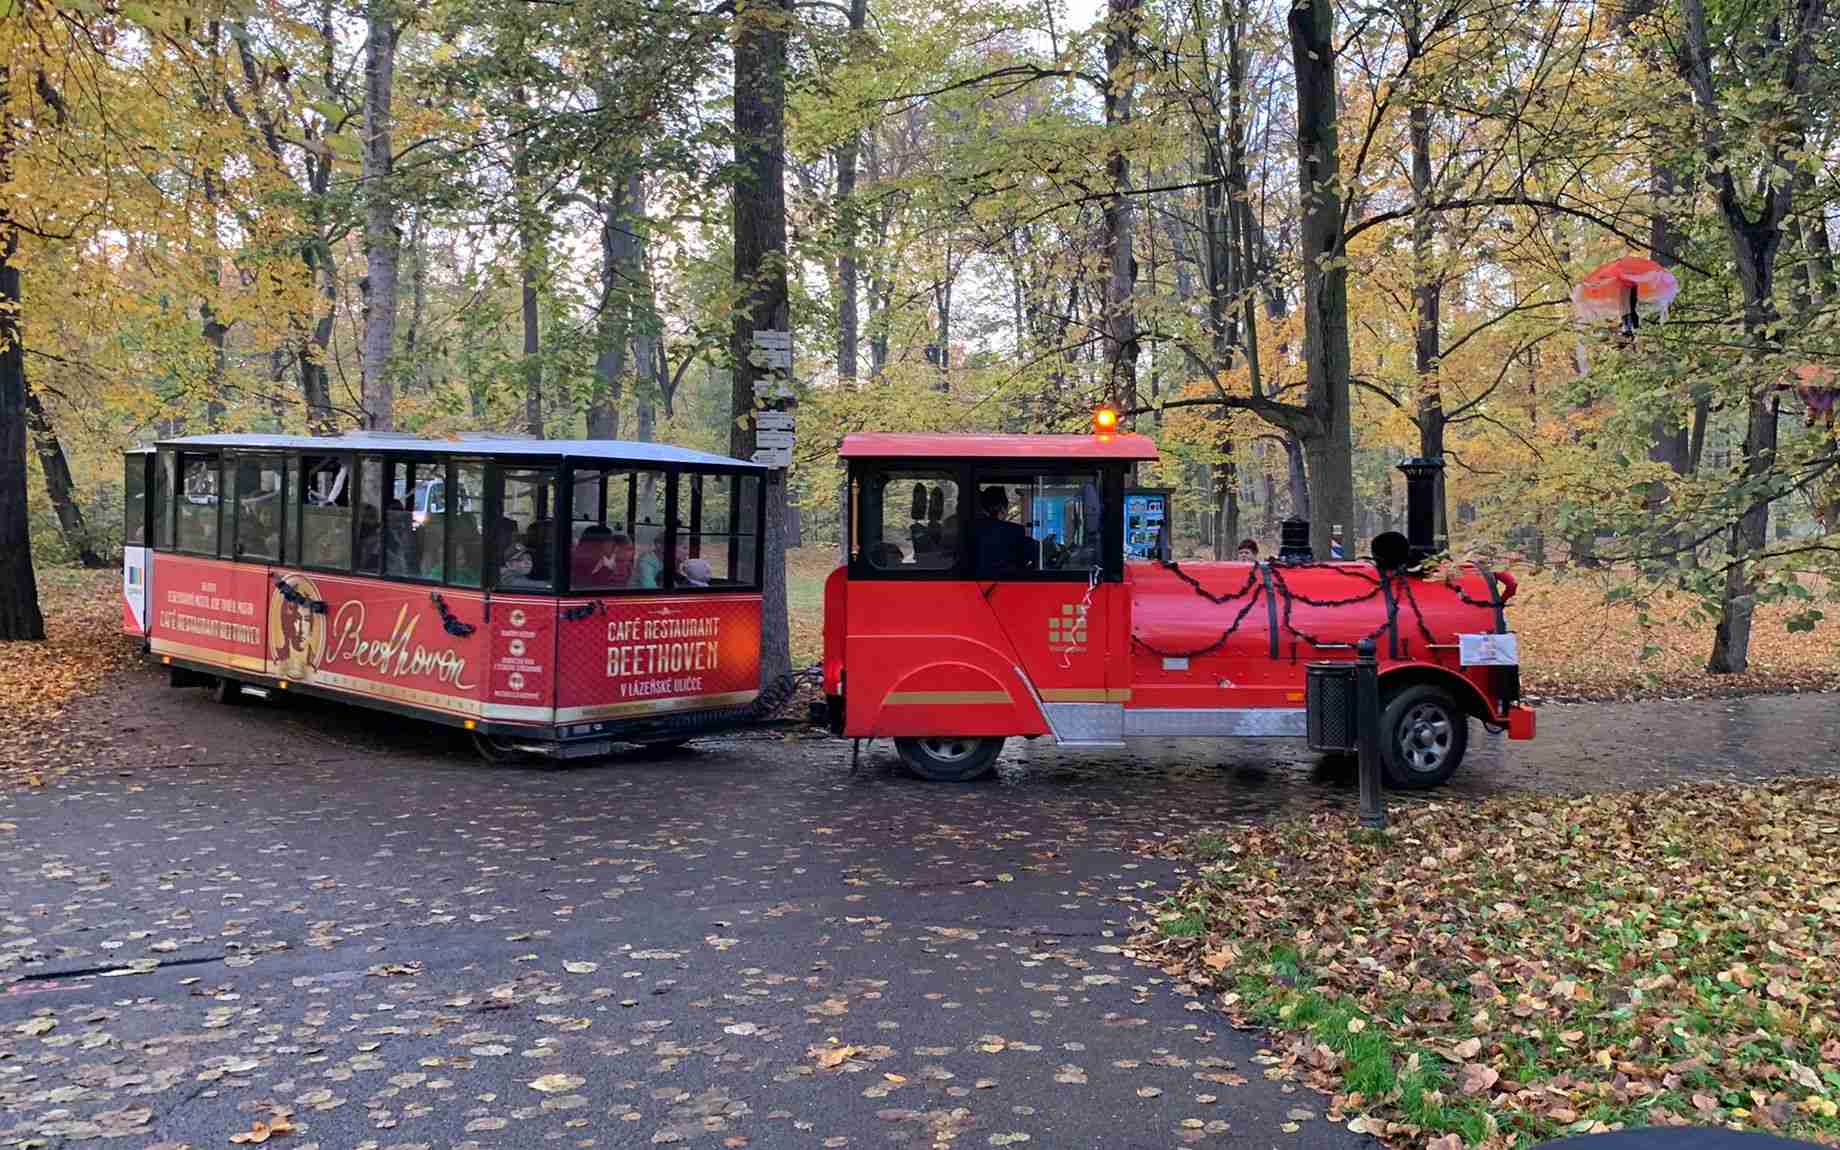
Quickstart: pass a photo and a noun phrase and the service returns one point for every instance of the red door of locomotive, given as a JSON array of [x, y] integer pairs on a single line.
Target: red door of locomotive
[[1038, 543]]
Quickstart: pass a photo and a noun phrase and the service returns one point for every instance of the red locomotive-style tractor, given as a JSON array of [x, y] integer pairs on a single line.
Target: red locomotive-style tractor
[[989, 594]]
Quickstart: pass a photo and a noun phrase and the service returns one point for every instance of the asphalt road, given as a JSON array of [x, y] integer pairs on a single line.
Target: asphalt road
[[226, 912]]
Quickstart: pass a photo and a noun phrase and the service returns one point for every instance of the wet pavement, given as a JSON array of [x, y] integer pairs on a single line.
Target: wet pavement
[[348, 918]]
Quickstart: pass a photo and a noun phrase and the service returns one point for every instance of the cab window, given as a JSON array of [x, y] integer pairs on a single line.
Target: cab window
[[1047, 524], [907, 522]]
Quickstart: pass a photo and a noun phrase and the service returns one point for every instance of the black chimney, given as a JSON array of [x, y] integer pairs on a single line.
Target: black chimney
[[1294, 541], [1421, 508]]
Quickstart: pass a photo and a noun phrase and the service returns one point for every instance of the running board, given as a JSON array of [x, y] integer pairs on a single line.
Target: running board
[[1216, 722]]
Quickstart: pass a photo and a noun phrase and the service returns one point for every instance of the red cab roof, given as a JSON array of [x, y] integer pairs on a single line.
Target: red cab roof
[[941, 445]]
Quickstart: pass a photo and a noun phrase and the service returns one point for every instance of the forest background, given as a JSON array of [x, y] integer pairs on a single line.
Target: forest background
[[1294, 242]]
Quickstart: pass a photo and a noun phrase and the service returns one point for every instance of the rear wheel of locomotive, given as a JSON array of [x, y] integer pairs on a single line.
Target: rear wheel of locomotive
[[227, 691], [951, 759], [1423, 736]]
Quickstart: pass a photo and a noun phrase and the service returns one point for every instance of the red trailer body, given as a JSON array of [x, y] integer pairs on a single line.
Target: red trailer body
[[949, 658], [553, 597]]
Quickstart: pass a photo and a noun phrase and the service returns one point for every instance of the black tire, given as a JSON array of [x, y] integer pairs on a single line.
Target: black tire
[[1423, 736], [227, 691], [949, 759]]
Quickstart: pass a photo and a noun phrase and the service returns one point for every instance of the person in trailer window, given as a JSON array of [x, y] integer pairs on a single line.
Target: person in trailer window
[[1002, 547], [651, 565], [696, 572], [515, 567]]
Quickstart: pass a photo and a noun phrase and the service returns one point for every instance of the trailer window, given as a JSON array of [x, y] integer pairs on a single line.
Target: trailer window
[[198, 504], [255, 485], [325, 511], [617, 525], [717, 516], [1041, 524], [465, 506], [413, 535], [164, 475], [134, 492], [524, 536]]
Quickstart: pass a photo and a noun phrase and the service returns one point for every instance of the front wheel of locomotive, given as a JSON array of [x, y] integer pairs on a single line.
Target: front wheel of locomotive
[[952, 759], [1423, 735]]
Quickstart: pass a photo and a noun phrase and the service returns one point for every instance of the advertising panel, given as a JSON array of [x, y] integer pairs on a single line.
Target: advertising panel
[[651, 656], [208, 611], [416, 646]]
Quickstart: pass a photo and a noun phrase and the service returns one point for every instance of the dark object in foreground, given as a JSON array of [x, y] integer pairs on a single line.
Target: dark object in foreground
[[1367, 733], [1677, 1138]]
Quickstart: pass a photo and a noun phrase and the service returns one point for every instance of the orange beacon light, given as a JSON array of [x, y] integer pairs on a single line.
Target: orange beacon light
[[1105, 419]]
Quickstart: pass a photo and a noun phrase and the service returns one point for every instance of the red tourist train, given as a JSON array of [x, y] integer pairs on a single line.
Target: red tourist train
[[993, 590], [553, 597], [558, 597]]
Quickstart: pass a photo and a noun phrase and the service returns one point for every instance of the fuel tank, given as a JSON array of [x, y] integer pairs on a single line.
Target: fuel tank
[[1240, 634]]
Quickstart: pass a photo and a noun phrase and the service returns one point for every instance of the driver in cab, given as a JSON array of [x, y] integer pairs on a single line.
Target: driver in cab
[[1003, 547]]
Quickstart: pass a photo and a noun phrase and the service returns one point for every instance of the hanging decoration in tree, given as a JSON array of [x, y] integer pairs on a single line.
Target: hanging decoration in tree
[[1619, 288], [1817, 386]]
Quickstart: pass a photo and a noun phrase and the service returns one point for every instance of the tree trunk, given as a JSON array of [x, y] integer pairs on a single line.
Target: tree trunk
[[19, 614], [614, 324], [1330, 452], [58, 484], [648, 357], [380, 239], [1668, 437], [315, 347], [533, 347], [1754, 244], [418, 300], [848, 278], [1120, 286], [1427, 292], [1299, 478], [760, 39]]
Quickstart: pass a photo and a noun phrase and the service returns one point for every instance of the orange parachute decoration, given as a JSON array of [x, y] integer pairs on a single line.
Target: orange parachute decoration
[[1818, 389], [1618, 288]]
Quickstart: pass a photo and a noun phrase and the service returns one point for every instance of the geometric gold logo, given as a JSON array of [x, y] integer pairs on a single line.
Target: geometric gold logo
[[1067, 631]]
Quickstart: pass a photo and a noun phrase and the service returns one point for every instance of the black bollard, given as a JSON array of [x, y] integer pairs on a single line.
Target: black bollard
[[1367, 732]]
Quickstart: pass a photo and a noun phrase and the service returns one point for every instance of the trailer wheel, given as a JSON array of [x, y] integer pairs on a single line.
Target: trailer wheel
[[1423, 735], [952, 759], [227, 691]]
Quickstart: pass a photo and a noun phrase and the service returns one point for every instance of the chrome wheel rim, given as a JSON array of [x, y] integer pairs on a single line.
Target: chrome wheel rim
[[949, 750], [1425, 737]]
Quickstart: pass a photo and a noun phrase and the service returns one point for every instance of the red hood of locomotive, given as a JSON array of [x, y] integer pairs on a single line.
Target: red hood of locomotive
[[1211, 610]]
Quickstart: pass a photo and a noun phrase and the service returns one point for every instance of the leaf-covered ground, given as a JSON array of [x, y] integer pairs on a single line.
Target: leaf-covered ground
[[1575, 646], [39, 681], [1511, 971]]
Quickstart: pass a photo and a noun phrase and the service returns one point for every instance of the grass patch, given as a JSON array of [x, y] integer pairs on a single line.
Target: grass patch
[[1534, 967]]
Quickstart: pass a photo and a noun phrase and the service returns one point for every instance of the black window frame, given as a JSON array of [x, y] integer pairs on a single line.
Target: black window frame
[[496, 467], [672, 582], [416, 460], [300, 520], [182, 456], [865, 501], [669, 584], [229, 524], [971, 475], [140, 467], [165, 468]]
